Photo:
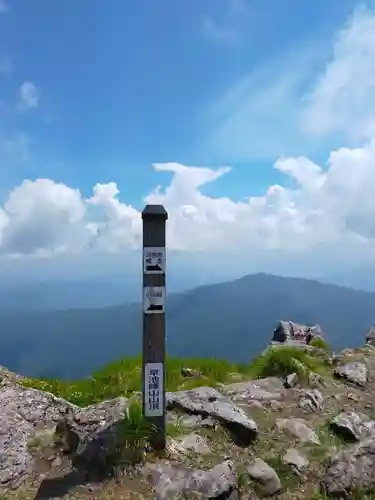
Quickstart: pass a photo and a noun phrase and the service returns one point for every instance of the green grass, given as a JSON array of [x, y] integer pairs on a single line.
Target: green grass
[[134, 433], [280, 361], [320, 344], [329, 441], [123, 377], [289, 479]]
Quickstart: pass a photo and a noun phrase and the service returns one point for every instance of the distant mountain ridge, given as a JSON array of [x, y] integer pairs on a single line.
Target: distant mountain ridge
[[232, 320]]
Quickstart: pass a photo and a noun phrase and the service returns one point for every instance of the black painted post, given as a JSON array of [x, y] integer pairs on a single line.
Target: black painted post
[[153, 367]]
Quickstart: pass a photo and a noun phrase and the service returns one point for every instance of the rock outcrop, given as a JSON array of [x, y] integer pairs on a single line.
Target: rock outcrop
[[290, 333], [272, 437], [370, 337]]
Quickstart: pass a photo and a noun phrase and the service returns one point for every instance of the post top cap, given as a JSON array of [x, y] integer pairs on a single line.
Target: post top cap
[[154, 211]]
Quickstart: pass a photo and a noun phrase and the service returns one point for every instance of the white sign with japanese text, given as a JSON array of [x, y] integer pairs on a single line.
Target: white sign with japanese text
[[154, 260], [153, 390]]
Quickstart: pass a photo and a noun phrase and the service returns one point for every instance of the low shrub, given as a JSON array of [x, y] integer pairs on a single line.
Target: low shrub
[[320, 344], [281, 361]]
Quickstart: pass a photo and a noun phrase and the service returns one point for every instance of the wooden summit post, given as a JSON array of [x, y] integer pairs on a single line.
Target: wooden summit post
[[153, 350]]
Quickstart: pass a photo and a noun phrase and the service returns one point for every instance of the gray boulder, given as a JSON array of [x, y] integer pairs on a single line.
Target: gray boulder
[[370, 337], [353, 426], [288, 332], [15, 460], [354, 372], [351, 470], [171, 482], [263, 389], [27, 413], [208, 402], [299, 429], [268, 482]]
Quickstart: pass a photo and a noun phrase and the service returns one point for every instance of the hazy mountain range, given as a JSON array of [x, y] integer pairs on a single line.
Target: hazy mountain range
[[232, 320]]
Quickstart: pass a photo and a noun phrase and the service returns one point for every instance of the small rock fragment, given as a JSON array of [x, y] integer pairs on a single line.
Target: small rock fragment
[[296, 459], [298, 428], [190, 373], [274, 405], [311, 400], [265, 476], [291, 380]]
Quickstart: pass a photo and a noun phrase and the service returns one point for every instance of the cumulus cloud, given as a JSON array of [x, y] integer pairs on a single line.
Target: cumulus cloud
[[326, 207], [320, 208], [28, 96]]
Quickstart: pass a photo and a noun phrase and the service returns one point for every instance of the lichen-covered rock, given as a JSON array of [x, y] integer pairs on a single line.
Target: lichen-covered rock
[[15, 459], [370, 337], [311, 399], [288, 332], [355, 373], [263, 389], [20, 411], [171, 482], [23, 411], [207, 401], [353, 426], [351, 470]]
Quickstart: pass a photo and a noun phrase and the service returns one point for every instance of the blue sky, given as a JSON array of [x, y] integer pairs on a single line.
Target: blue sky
[[93, 94], [126, 84]]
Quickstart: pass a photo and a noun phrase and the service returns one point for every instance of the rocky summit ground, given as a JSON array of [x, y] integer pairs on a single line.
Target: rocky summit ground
[[307, 434]]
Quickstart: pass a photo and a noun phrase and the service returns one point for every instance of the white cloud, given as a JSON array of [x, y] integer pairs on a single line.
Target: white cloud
[[343, 98], [326, 208], [322, 209], [28, 96], [317, 96], [42, 215]]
